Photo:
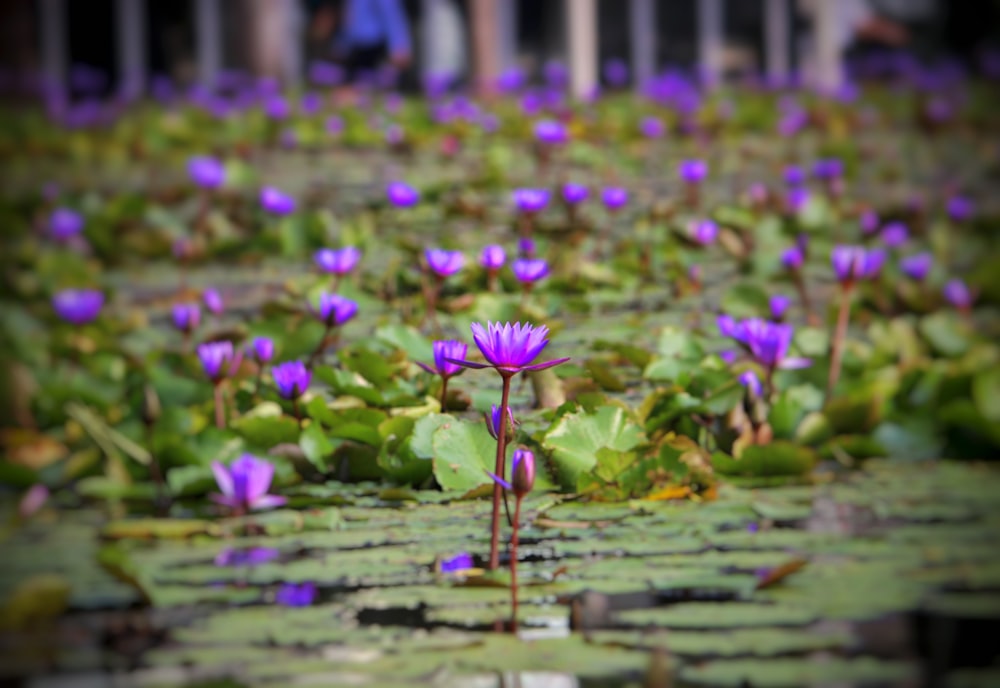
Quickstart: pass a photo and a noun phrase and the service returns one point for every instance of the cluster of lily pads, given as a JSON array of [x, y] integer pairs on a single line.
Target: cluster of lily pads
[[653, 235]]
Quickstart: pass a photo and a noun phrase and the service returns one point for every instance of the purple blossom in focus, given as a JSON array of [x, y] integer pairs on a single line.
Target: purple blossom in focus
[[510, 348]]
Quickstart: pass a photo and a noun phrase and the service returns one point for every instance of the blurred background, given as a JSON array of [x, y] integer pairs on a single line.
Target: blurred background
[[64, 50]]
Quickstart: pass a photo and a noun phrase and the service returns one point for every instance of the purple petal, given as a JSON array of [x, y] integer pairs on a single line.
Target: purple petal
[[547, 364], [223, 478], [795, 363], [500, 481], [467, 364], [267, 501]]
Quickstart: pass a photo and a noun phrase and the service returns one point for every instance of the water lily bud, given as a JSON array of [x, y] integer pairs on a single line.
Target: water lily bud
[[523, 473], [493, 423]]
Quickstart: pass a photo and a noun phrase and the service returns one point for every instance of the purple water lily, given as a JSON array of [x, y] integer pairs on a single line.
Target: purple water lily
[[245, 484], [276, 202], [749, 379], [494, 422], [530, 270], [855, 263], [895, 234], [796, 199], [334, 310], [206, 171], [296, 594], [917, 266], [779, 304], [444, 263], [186, 316], [460, 562], [262, 349], [218, 359], [652, 127], [551, 132], [958, 295], [402, 195], [291, 378], [250, 556], [213, 301], [530, 200], [704, 232], [869, 222], [78, 306], [792, 258], [493, 257], [693, 171], [828, 169], [445, 352], [794, 176], [614, 197], [522, 471], [769, 344], [960, 208], [64, 224], [510, 348], [339, 262]]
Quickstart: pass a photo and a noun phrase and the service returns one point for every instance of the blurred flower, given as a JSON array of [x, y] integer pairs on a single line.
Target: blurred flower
[[262, 349], [510, 348], [213, 301], [960, 208], [869, 222], [446, 351], [616, 72], [792, 258], [65, 223], [32, 500], [917, 266], [218, 359], [296, 594], [695, 274], [769, 343], [704, 232], [325, 74], [245, 483], [250, 556], [276, 107], [758, 193], [614, 197], [311, 104], [749, 379], [796, 198], [402, 195], [339, 261], [555, 73], [444, 263], [291, 378], [522, 473], [693, 171], [728, 356], [334, 310], [530, 270], [958, 294], [493, 257], [551, 132], [510, 80], [460, 562], [779, 304], [78, 306], [854, 263], [334, 125], [828, 169], [652, 127], [526, 247], [794, 176], [574, 193], [895, 234], [186, 316], [276, 202], [531, 200], [206, 171]]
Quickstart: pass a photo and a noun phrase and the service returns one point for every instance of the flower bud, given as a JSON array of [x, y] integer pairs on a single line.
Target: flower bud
[[523, 473], [493, 423]]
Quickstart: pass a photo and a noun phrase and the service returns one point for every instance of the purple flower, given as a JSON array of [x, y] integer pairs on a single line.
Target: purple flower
[[728, 356], [291, 378], [779, 304], [32, 500], [917, 266], [493, 257], [78, 306], [334, 310], [510, 348], [853, 263], [792, 258], [693, 171], [796, 198], [769, 343], [526, 247], [616, 72], [262, 349], [296, 595], [522, 473], [276, 202], [958, 294], [794, 176], [828, 169], [206, 172], [402, 195], [614, 197], [213, 301], [530, 270], [869, 222], [65, 223], [244, 484], [652, 127], [446, 351], [186, 316], [494, 424], [510, 80], [339, 261], [460, 562], [531, 200], [704, 232], [574, 193], [311, 104], [895, 234], [728, 327], [334, 125], [555, 73], [749, 379], [216, 357], [250, 556], [960, 208], [444, 263], [551, 132], [325, 74], [276, 107]]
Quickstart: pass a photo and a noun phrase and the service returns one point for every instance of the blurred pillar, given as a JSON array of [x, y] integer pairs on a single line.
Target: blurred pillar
[[208, 40], [507, 28], [273, 38], [131, 16], [485, 44], [295, 39], [428, 10], [642, 32], [829, 71], [54, 40], [710, 39], [582, 22], [776, 47]]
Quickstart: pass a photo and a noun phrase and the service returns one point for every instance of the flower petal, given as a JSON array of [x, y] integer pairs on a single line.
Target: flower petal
[[267, 502], [546, 364], [223, 478], [468, 364], [500, 481], [795, 363]]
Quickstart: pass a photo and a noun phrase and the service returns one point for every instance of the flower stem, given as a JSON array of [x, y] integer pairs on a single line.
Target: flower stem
[[297, 411], [444, 394], [220, 406], [800, 286], [837, 344], [513, 565], [499, 470], [318, 351]]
